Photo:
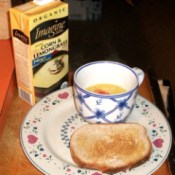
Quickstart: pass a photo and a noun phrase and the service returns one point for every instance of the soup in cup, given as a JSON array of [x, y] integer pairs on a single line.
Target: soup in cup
[[105, 91]]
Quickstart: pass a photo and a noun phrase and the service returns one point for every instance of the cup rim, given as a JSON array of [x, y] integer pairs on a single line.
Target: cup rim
[[105, 95]]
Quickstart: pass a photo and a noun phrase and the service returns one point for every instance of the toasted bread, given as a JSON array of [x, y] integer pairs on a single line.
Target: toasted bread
[[110, 147]]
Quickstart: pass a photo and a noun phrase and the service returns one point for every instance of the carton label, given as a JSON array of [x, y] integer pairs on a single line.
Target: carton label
[[21, 36], [49, 29]]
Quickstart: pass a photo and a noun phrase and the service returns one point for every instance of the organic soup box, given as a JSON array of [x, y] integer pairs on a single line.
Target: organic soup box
[[40, 43]]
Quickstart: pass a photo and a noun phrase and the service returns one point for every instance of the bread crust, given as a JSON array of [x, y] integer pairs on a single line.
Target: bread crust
[[83, 144]]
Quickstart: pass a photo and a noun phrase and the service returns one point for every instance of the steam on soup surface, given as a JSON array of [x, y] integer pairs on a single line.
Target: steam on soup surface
[[107, 89]]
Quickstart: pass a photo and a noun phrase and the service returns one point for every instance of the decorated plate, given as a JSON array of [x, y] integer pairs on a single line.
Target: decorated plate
[[46, 130]]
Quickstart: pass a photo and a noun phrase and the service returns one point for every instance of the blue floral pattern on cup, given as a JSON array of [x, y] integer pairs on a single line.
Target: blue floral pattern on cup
[[118, 107]]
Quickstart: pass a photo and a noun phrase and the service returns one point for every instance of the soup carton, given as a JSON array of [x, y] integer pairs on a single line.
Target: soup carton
[[40, 44]]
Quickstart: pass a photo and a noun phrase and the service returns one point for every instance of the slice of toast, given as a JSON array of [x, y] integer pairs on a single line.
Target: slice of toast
[[110, 147]]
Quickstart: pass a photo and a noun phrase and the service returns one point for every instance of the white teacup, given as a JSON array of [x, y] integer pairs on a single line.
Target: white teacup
[[106, 108]]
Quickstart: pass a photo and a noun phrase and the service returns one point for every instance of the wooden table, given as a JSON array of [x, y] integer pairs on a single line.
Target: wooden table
[[13, 161]]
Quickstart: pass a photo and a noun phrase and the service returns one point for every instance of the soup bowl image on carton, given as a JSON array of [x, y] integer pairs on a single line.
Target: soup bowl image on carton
[[105, 91]]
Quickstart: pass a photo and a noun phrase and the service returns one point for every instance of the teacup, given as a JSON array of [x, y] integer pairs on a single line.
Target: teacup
[[96, 107]]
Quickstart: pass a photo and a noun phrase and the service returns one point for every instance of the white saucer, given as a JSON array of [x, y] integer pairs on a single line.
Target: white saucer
[[46, 130]]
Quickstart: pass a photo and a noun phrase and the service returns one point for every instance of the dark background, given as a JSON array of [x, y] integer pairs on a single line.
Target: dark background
[[142, 35]]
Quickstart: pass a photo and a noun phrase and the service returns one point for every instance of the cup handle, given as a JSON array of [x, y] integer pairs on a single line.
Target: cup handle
[[140, 74]]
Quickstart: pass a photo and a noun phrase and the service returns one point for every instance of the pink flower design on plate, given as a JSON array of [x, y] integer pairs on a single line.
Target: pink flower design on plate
[[68, 170], [32, 139], [96, 173], [63, 95], [158, 142]]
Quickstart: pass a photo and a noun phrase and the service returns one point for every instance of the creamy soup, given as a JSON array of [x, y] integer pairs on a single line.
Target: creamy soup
[[107, 89], [51, 73]]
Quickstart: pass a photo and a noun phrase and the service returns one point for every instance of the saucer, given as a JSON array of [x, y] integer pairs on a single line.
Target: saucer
[[47, 128]]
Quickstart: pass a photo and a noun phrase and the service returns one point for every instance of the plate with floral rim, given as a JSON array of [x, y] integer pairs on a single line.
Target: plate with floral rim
[[46, 130]]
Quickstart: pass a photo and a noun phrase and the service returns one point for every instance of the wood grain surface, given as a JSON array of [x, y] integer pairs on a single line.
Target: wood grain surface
[[13, 161], [4, 18]]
